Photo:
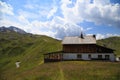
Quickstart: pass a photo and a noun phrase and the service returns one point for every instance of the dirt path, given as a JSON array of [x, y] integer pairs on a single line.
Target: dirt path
[[61, 72]]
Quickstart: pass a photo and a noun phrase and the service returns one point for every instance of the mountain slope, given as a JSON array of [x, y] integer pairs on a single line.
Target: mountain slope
[[29, 50], [12, 29], [26, 48], [18, 30]]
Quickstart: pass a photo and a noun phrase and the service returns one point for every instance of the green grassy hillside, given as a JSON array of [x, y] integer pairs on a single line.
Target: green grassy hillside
[[26, 48], [29, 50], [112, 42]]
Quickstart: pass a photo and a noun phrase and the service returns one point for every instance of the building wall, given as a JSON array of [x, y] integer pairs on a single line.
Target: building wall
[[86, 48], [80, 48], [112, 56], [85, 56], [69, 56]]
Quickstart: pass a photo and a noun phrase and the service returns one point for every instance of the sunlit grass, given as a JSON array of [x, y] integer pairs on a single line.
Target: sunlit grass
[[31, 50], [68, 70]]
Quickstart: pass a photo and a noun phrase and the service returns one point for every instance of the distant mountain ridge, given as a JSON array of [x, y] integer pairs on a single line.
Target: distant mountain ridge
[[12, 29]]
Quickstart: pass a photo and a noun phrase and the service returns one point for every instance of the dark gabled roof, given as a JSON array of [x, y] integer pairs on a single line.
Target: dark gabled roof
[[105, 47], [57, 52]]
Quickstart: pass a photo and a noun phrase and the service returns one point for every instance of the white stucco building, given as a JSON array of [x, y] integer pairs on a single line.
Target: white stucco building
[[81, 48]]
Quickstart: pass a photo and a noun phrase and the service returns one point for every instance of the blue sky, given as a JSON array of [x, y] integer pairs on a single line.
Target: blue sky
[[60, 18]]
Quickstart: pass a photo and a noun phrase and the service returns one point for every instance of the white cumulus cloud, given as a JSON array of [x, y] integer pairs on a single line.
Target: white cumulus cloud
[[52, 12], [99, 12], [102, 36], [6, 8]]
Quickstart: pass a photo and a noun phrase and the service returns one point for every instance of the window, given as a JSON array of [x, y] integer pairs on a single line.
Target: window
[[89, 56], [99, 56], [107, 57], [79, 56]]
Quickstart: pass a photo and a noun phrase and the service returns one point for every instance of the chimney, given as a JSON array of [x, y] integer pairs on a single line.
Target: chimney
[[94, 36], [82, 36]]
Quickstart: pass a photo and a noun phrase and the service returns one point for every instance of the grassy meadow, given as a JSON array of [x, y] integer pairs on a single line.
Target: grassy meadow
[[29, 50], [66, 70]]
